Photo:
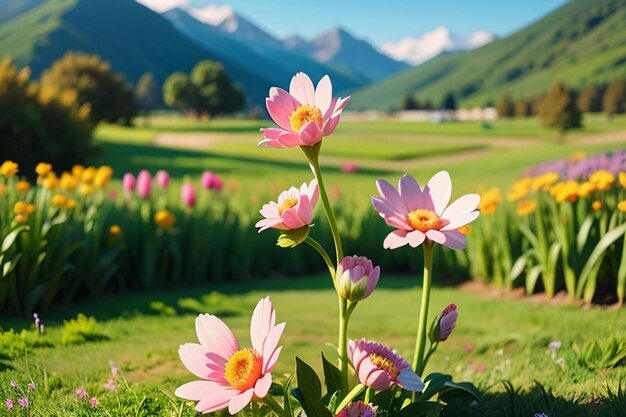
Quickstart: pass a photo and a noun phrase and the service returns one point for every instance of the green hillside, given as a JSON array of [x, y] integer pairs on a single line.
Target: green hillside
[[581, 43]]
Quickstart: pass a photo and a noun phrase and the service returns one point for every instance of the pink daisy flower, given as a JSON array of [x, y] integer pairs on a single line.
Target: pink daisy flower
[[420, 214], [305, 114], [231, 376], [293, 210], [379, 367]]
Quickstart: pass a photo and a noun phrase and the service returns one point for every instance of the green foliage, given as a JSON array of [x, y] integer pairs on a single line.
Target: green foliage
[[410, 103], [13, 343], [522, 108], [148, 93], [605, 354], [449, 102], [559, 111], [614, 99], [81, 330], [505, 107]]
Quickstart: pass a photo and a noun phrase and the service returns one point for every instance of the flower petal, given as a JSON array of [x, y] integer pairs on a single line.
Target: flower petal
[[313, 192], [331, 124], [216, 336], [410, 381], [262, 386], [455, 239], [280, 105], [392, 217], [389, 193], [196, 390], [378, 380], [323, 94], [461, 212], [291, 219], [413, 196], [304, 209], [440, 186], [289, 139], [395, 239], [215, 401], [301, 88], [271, 361], [263, 320], [240, 401], [310, 134], [194, 358], [436, 236], [271, 341], [415, 238]]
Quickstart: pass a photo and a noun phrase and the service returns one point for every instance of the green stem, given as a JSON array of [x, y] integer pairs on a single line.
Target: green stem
[[432, 350], [329, 263], [343, 341], [355, 391], [420, 343], [273, 404]]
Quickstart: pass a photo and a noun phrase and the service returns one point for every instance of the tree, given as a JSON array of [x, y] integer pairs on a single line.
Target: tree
[[427, 105], [614, 100], [505, 106], [589, 100], [410, 103], [148, 93], [535, 104], [106, 93], [559, 110], [449, 102], [206, 91], [41, 122], [522, 108]]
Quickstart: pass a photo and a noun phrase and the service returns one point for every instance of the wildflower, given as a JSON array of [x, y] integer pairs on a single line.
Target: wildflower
[[110, 385], [114, 369], [519, 189], [8, 169], [85, 189], [23, 402], [115, 230], [71, 203], [42, 169], [93, 401], [164, 219], [480, 368], [103, 176], [13, 383], [38, 325], [444, 324], [489, 201], [602, 179], [144, 184], [188, 194], [81, 392], [21, 218], [210, 181], [22, 186], [304, 115], [597, 205], [468, 348], [356, 278], [543, 182], [586, 189], [554, 347], [31, 386], [162, 179], [621, 206], [128, 182], [349, 167], [357, 409], [19, 207], [424, 214], [88, 175], [9, 403], [622, 179], [379, 367], [526, 207], [59, 200], [565, 191], [231, 376], [77, 170], [68, 181], [293, 210]]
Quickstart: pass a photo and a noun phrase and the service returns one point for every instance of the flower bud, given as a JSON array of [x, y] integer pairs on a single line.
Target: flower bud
[[188, 194], [210, 181], [162, 179], [356, 278], [443, 324], [128, 182], [144, 184]]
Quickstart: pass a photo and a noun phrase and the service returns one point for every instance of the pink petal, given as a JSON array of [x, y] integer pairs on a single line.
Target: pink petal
[[378, 380], [270, 343], [270, 211], [389, 193], [436, 236], [395, 239], [262, 386], [265, 224], [461, 211], [323, 94], [240, 401], [216, 336], [304, 209], [340, 104], [272, 133], [289, 139], [215, 401], [415, 238], [440, 187], [413, 196], [280, 106], [269, 363], [330, 125], [310, 134], [391, 216], [269, 143], [313, 192], [194, 358], [291, 219], [455, 239], [365, 368], [301, 88], [262, 322], [196, 390]]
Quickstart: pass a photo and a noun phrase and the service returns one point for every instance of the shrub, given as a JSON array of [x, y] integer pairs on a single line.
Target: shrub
[[81, 330]]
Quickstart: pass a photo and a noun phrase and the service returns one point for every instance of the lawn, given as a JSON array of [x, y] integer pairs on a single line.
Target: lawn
[[509, 339]]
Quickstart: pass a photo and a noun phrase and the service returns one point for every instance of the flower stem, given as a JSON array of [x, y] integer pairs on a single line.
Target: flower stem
[[329, 263], [343, 341], [273, 404], [355, 391], [420, 343]]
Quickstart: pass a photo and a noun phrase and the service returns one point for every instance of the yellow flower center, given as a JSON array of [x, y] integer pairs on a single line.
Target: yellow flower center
[[424, 220], [303, 115], [386, 364], [243, 369], [287, 204]]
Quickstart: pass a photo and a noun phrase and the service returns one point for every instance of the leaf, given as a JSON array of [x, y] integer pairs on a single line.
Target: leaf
[[421, 408], [518, 267], [292, 238], [9, 239], [583, 233], [332, 377], [531, 278], [462, 387], [310, 391], [433, 383]]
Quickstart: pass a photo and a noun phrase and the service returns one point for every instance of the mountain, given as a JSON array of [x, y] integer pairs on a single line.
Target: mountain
[[133, 38], [11, 8], [580, 43], [416, 50], [342, 50], [274, 65]]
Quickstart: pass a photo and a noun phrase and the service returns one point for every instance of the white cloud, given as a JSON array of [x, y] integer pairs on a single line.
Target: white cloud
[[213, 14], [161, 6]]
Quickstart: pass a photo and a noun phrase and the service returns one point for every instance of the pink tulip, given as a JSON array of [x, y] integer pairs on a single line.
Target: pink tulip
[[356, 278], [210, 181], [304, 115], [162, 179], [144, 184], [128, 183], [293, 210], [188, 194], [349, 167]]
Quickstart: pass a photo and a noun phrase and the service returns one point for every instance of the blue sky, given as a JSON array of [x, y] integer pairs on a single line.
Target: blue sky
[[389, 20]]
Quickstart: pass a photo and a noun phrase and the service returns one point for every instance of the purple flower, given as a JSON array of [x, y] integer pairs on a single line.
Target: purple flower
[[81, 392], [447, 322], [110, 385], [31, 386], [94, 401], [13, 383], [357, 409], [23, 402], [9, 403]]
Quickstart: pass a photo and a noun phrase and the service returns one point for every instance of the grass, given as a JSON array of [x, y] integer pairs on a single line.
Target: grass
[[509, 338]]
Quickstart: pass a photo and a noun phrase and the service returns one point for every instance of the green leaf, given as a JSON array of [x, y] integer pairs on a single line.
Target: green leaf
[[433, 384], [518, 267], [332, 377], [9, 239], [310, 391], [422, 408], [583, 233], [531, 278], [464, 388], [292, 238]]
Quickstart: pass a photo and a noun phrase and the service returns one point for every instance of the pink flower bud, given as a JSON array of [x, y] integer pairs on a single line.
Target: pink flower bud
[[447, 322], [128, 182], [210, 181], [188, 194], [162, 179], [356, 278], [144, 184]]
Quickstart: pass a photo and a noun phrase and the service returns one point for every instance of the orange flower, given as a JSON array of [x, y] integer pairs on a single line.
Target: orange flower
[[543, 182], [622, 179], [115, 230], [524, 208], [586, 189], [8, 169], [59, 200], [489, 201], [42, 169], [621, 206], [597, 205], [22, 186], [602, 179], [164, 219]]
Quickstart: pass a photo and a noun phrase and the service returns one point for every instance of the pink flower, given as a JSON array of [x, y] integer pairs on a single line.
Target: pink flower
[[31, 386], [81, 392], [23, 402], [188, 194], [231, 376], [357, 409], [128, 182], [356, 278], [447, 322], [305, 114], [420, 214], [293, 210], [349, 167], [94, 401], [9, 403], [379, 367], [210, 181], [162, 179], [113, 195], [110, 385], [480, 368], [114, 369], [144, 184], [13, 383], [468, 348]]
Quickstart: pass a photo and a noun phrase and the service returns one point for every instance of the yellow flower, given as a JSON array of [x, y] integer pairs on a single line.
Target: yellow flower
[[22, 186], [464, 229], [543, 182], [42, 169], [85, 189], [21, 218], [8, 169], [597, 205], [102, 177], [115, 230], [524, 208], [68, 181], [519, 189], [585, 189], [622, 179], [19, 207], [489, 201], [602, 179], [30, 208], [59, 200], [88, 175], [51, 181], [2, 188], [164, 219], [621, 206], [565, 191], [577, 157], [77, 170], [71, 203]]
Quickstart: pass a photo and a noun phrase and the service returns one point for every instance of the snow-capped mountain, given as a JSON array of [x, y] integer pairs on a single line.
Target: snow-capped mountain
[[416, 50]]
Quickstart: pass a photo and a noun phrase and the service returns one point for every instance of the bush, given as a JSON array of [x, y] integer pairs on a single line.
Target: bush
[[80, 330]]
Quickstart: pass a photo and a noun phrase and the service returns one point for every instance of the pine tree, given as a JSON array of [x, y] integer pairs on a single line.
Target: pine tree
[[589, 100], [522, 108], [505, 106], [410, 103], [614, 100], [559, 110]]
